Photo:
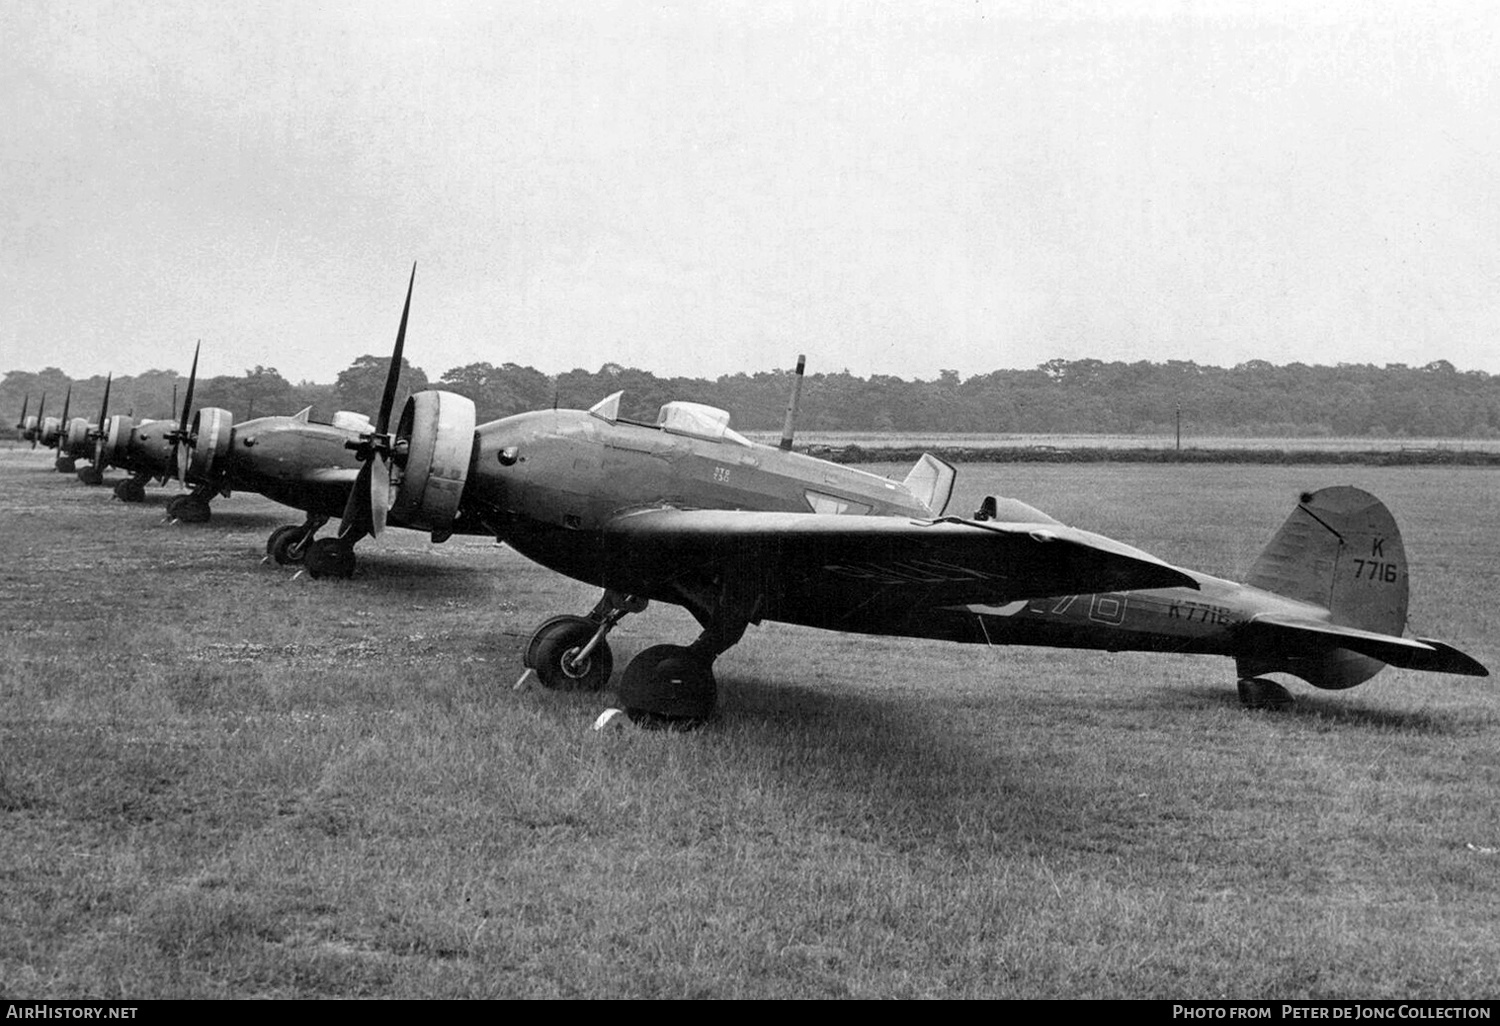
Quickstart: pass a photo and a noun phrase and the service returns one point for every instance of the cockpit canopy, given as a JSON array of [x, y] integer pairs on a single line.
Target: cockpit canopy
[[356, 422], [680, 418]]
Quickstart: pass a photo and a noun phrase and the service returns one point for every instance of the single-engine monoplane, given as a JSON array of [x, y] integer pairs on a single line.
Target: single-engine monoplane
[[687, 511], [293, 460]]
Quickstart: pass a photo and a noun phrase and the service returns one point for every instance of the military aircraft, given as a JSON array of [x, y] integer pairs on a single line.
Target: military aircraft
[[27, 426], [687, 511], [293, 460], [82, 440], [52, 431]]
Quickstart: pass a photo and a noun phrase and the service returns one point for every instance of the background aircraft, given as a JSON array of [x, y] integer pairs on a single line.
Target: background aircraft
[[689, 512], [305, 465]]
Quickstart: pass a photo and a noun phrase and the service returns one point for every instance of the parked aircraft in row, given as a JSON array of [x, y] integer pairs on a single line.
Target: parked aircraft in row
[[686, 511]]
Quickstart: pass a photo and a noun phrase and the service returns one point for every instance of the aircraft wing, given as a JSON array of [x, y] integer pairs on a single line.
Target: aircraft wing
[[1289, 632], [841, 570]]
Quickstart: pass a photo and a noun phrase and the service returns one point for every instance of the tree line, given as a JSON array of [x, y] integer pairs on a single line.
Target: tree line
[[1254, 399]]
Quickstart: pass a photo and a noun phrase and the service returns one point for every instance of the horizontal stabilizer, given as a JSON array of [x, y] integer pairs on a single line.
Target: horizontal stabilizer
[[1293, 633]]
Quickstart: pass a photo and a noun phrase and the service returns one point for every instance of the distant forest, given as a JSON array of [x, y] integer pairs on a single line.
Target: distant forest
[[1255, 399]]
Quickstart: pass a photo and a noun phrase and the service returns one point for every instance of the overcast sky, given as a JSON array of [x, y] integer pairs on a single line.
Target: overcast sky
[[708, 187]]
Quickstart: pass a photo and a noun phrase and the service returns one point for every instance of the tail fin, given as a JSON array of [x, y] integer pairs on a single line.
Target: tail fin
[[931, 482], [1340, 549]]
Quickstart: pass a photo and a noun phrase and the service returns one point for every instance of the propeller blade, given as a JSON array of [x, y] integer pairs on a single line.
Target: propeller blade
[[174, 402], [41, 408], [357, 520], [380, 493], [393, 374], [104, 406], [67, 400], [21, 424], [192, 380]]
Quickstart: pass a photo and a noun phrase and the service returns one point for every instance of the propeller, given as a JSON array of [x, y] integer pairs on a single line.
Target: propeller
[[62, 429], [41, 408], [370, 500], [21, 424], [178, 436], [102, 430]]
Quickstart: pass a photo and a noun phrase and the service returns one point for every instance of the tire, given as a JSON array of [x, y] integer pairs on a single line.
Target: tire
[[554, 643], [92, 476], [1260, 693], [330, 557], [282, 545], [668, 686], [189, 509], [135, 491]]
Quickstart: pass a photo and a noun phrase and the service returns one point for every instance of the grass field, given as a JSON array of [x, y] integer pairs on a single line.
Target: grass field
[[218, 780]]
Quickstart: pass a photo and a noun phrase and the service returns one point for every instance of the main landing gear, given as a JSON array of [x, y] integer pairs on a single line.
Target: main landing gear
[[1260, 693], [324, 557], [132, 489], [668, 686], [191, 508]]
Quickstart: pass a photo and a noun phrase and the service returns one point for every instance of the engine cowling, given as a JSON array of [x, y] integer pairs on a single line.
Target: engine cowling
[[116, 437], [210, 434], [437, 431], [76, 442]]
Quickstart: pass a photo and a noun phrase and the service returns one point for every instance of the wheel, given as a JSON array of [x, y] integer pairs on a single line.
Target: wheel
[[122, 490], [91, 475], [189, 509], [552, 649], [330, 557], [668, 686], [65, 465], [135, 491], [286, 544], [1260, 693]]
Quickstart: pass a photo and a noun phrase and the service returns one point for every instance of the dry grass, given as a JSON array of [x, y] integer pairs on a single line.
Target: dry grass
[[220, 781]]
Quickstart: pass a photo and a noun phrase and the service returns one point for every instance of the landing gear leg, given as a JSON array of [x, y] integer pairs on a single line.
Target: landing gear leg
[[569, 653], [290, 544]]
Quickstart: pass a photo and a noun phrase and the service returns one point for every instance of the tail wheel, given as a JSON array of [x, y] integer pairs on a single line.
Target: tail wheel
[[553, 654], [669, 686]]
